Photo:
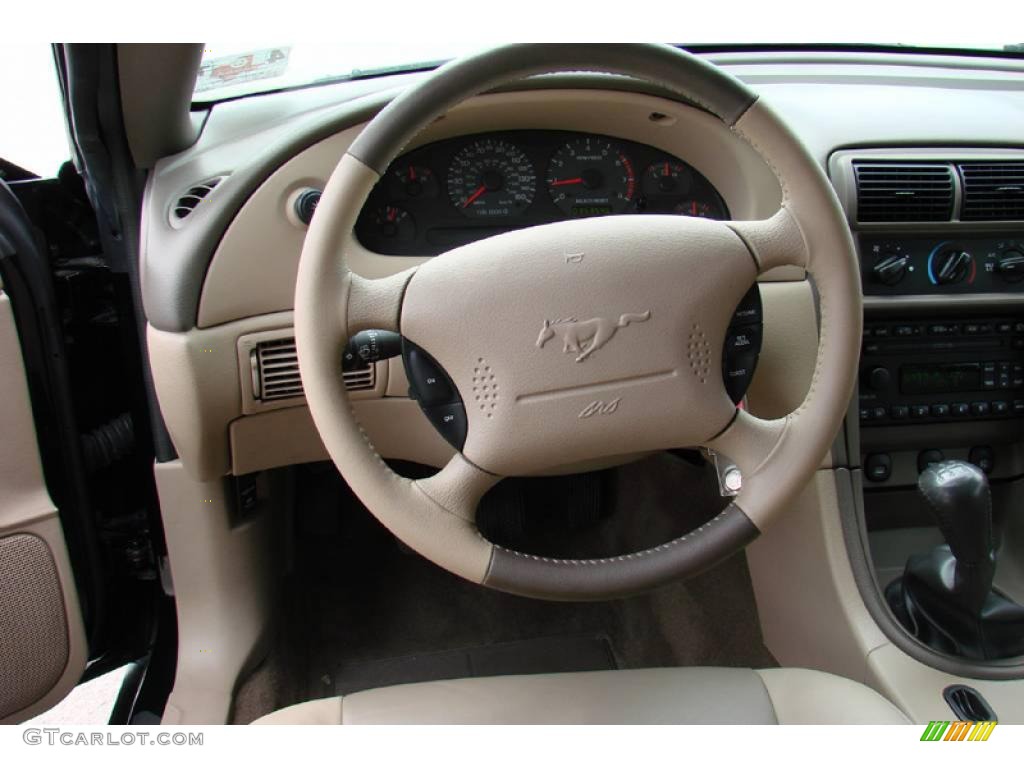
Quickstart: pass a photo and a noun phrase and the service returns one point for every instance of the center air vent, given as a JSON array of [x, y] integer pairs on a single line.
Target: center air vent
[[993, 191], [904, 192], [275, 372], [195, 195]]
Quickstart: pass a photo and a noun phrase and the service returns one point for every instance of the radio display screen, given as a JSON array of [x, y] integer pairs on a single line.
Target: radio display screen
[[938, 378]]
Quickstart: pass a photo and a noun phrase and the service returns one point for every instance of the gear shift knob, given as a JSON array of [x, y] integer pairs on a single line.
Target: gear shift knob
[[957, 494]]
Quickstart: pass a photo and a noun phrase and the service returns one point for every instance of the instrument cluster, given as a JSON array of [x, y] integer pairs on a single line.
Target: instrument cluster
[[453, 192]]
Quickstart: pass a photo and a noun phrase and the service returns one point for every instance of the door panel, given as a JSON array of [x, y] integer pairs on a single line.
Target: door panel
[[42, 640]]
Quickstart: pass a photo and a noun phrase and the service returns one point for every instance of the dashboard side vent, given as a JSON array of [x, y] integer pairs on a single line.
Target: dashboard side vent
[[903, 192], [275, 372], [188, 201], [993, 191]]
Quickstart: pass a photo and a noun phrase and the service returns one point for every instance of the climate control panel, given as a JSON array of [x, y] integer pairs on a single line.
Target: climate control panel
[[922, 265]]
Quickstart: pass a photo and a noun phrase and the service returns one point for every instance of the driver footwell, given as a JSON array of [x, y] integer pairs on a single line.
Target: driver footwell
[[361, 611]]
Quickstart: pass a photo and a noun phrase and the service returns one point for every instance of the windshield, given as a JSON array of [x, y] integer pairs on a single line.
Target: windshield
[[232, 70]]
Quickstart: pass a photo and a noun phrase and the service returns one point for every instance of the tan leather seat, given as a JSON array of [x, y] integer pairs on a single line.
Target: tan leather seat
[[693, 695]]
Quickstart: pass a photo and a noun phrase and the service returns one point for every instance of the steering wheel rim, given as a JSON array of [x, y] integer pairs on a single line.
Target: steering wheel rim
[[689, 299]]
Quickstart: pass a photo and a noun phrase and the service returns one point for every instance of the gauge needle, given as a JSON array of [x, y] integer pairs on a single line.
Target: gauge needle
[[563, 182], [469, 200]]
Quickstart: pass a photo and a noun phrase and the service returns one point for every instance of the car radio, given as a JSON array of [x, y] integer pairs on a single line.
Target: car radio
[[941, 370]]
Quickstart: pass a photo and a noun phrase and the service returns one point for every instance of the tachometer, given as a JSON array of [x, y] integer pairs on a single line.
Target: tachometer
[[591, 177], [491, 178]]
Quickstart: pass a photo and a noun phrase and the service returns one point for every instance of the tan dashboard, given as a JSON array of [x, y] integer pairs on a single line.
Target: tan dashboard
[[214, 413]]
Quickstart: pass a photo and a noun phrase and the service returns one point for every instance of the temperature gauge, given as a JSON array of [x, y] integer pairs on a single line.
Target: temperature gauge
[[394, 223], [700, 208]]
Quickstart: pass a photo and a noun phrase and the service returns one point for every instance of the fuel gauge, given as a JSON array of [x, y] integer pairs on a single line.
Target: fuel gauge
[[411, 182], [667, 178]]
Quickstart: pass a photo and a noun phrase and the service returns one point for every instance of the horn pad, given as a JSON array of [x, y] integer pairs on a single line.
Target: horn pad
[[569, 342]]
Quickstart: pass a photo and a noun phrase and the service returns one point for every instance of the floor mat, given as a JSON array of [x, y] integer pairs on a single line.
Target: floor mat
[[362, 610], [526, 657]]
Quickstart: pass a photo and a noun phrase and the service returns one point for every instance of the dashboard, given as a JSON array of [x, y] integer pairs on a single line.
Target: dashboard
[[218, 283], [453, 192]]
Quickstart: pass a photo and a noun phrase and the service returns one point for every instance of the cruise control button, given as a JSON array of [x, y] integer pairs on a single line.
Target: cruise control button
[[749, 310], [430, 385], [745, 339], [450, 421], [737, 373]]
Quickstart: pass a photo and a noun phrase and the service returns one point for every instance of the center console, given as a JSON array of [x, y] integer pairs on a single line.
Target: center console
[[940, 237], [940, 396]]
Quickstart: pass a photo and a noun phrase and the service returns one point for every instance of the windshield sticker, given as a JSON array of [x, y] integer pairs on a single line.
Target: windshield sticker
[[223, 71]]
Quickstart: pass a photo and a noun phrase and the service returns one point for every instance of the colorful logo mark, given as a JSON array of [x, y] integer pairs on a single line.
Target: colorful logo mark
[[959, 730]]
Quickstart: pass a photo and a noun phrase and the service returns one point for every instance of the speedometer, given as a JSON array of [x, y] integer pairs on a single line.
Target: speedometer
[[591, 177], [491, 178]]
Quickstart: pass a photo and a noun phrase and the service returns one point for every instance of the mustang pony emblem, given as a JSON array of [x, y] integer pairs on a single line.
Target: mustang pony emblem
[[587, 336]]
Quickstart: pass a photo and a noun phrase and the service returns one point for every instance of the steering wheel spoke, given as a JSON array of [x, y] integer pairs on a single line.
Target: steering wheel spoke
[[774, 242], [375, 304], [459, 487]]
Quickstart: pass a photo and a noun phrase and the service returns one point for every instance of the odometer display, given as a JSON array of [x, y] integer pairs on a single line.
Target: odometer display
[[591, 177], [491, 178]]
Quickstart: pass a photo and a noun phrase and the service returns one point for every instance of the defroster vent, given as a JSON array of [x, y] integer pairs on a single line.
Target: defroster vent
[[196, 194], [904, 192]]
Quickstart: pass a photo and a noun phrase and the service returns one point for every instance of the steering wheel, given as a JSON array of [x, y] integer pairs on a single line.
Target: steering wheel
[[656, 293]]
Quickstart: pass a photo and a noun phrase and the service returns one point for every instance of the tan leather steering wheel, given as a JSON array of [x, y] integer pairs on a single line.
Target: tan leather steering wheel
[[660, 291]]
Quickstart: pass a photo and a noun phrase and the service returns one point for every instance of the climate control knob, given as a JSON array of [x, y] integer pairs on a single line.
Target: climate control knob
[[890, 269], [1010, 265], [951, 266]]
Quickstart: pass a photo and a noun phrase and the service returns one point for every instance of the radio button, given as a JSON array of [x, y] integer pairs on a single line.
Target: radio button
[[980, 408], [943, 329], [882, 331], [1004, 327], [961, 409], [940, 411], [907, 330]]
